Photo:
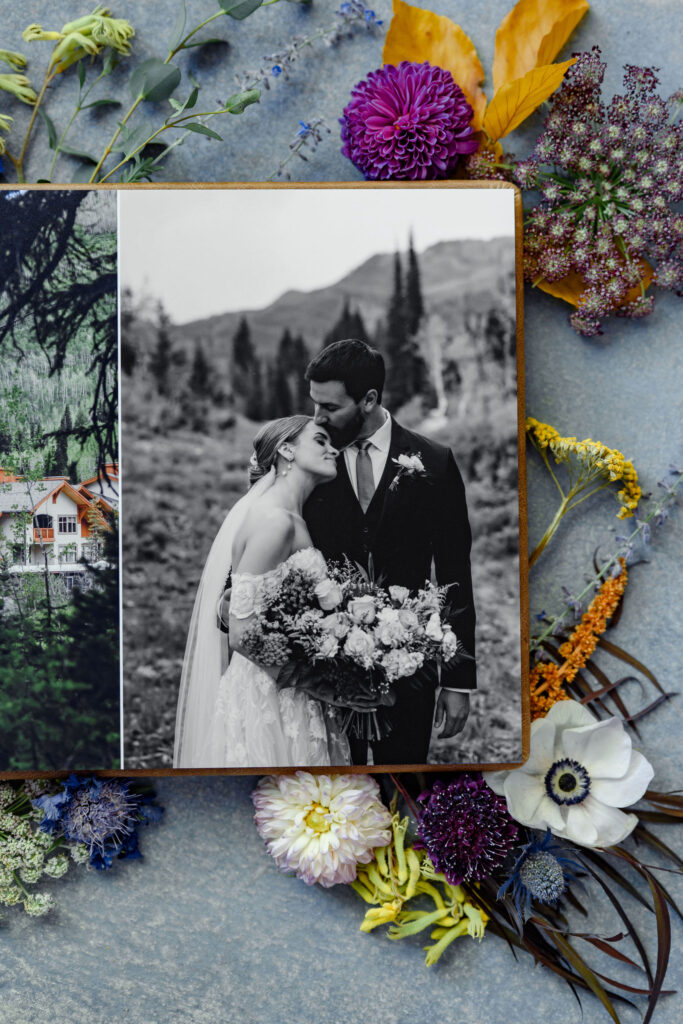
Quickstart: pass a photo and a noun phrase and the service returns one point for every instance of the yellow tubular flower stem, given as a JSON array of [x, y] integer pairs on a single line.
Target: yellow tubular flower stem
[[19, 161], [414, 873], [434, 952]]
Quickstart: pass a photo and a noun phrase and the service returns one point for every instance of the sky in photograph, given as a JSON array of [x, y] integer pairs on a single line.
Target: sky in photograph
[[204, 252]]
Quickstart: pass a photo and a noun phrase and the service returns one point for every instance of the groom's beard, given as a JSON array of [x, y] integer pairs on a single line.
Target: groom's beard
[[342, 437]]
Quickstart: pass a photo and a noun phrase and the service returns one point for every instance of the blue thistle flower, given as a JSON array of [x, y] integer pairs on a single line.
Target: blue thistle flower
[[541, 872], [103, 814]]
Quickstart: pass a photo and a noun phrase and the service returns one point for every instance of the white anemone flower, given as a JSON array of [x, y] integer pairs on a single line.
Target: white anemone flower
[[579, 772], [321, 826]]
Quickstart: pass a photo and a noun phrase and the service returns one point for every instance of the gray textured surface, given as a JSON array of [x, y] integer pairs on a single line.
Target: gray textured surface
[[204, 930]]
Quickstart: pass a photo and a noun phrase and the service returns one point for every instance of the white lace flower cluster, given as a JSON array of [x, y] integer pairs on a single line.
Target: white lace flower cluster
[[25, 857], [320, 826]]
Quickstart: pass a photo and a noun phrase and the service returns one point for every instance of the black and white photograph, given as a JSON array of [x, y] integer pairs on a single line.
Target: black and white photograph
[[320, 517]]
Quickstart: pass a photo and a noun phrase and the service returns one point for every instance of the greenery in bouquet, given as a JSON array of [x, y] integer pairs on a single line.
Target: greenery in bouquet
[[47, 825]]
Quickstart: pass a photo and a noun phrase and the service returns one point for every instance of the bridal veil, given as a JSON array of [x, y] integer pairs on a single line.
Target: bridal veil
[[202, 667]]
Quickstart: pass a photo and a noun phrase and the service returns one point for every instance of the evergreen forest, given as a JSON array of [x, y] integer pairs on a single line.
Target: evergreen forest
[[59, 645]]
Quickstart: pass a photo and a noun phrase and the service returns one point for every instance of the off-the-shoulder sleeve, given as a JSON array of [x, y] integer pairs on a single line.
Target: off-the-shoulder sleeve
[[243, 600]]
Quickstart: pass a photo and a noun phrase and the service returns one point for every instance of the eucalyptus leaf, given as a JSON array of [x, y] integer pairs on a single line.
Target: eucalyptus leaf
[[82, 174], [102, 103], [191, 99], [81, 74], [51, 130], [79, 154], [179, 27], [154, 81], [201, 129], [132, 140], [240, 9], [241, 100], [205, 42]]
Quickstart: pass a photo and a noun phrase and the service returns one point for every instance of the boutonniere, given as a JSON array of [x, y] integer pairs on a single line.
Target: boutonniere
[[409, 464]]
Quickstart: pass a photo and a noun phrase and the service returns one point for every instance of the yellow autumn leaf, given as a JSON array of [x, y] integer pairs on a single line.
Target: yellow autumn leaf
[[570, 287], [531, 35], [417, 35], [515, 101]]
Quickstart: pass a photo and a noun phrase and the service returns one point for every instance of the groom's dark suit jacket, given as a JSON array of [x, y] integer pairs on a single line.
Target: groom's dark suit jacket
[[420, 522]]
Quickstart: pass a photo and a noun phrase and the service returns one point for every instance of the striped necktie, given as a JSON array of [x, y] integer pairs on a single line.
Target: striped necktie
[[364, 478]]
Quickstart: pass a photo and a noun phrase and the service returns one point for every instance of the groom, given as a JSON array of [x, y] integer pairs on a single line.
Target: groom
[[403, 525]]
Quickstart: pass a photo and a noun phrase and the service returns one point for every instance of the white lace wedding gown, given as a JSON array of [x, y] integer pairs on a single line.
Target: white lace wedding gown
[[254, 725]]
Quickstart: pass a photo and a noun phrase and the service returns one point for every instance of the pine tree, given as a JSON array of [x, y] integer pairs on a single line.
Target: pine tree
[[414, 303], [200, 377], [246, 374], [397, 340], [159, 361], [60, 459], [349, 325]]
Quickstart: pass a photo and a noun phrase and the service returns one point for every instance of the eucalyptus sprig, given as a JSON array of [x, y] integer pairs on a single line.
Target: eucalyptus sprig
[[126, 156]]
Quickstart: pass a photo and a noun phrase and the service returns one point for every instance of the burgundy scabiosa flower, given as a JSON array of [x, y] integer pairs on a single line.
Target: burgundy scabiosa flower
[[465, 828], [409, 122]]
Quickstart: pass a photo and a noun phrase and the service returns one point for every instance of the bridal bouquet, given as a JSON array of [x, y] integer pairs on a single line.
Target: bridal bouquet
[[347, 640]]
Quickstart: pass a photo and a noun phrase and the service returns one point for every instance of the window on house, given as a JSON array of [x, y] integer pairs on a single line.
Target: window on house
[[67, 524]]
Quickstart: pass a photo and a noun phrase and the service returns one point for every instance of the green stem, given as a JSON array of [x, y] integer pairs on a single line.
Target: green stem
[[77, 111], [112, 141], [547, 536], [172, 53], [19, 162]]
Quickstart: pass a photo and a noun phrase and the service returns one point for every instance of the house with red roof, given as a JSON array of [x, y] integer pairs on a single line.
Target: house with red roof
[[48, 523]]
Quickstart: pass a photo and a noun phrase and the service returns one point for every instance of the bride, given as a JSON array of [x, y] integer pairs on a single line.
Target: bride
[[239, 718]]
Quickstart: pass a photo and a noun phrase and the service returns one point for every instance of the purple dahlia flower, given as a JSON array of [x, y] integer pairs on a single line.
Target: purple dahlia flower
[[465, 828], [408, 122]]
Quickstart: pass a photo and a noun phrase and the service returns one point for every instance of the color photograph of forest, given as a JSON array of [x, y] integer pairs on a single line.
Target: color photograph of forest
[[194, 394], [59, 585]]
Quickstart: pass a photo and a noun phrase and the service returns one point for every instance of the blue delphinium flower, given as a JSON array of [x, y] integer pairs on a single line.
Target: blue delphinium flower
[[102, 814], [541, 872]]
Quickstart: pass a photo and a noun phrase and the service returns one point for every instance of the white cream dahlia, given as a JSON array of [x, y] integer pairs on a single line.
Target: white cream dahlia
[[321, 826], [579, 772]]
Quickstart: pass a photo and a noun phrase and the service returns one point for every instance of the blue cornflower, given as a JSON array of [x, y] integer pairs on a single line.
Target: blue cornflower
[[541, 873], [305, 128], [276, 70]]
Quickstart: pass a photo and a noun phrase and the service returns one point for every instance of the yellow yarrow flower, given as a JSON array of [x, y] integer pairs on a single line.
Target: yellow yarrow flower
[[84, 36], [19, 86], [593, 459]]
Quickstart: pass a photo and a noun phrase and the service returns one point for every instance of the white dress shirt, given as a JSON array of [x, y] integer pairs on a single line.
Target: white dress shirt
[[378, 450]]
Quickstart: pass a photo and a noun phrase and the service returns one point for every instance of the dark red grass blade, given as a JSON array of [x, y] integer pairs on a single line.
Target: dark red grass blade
[[579, 964], [612, 686], [602, 864], [640, 832], [623, 655], [616, 697], [663, 928], [644, 711]]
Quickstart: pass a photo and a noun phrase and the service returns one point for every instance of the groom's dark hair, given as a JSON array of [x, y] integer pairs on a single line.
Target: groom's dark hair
[[359, 367]]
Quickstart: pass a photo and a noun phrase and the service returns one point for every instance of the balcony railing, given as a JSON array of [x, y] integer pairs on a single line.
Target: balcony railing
[[43, 533]]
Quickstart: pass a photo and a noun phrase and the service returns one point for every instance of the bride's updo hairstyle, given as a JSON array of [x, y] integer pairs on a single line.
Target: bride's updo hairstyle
[[269, 439]]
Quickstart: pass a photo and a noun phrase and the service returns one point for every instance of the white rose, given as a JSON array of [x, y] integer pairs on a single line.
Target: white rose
[[360, 646], [449, 644], [337, 624], [327, 647], [329, 594], [310, 562], [399, 594], [362, 609], [408, 619], [411, 463], [390, 632], [434, 630]]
